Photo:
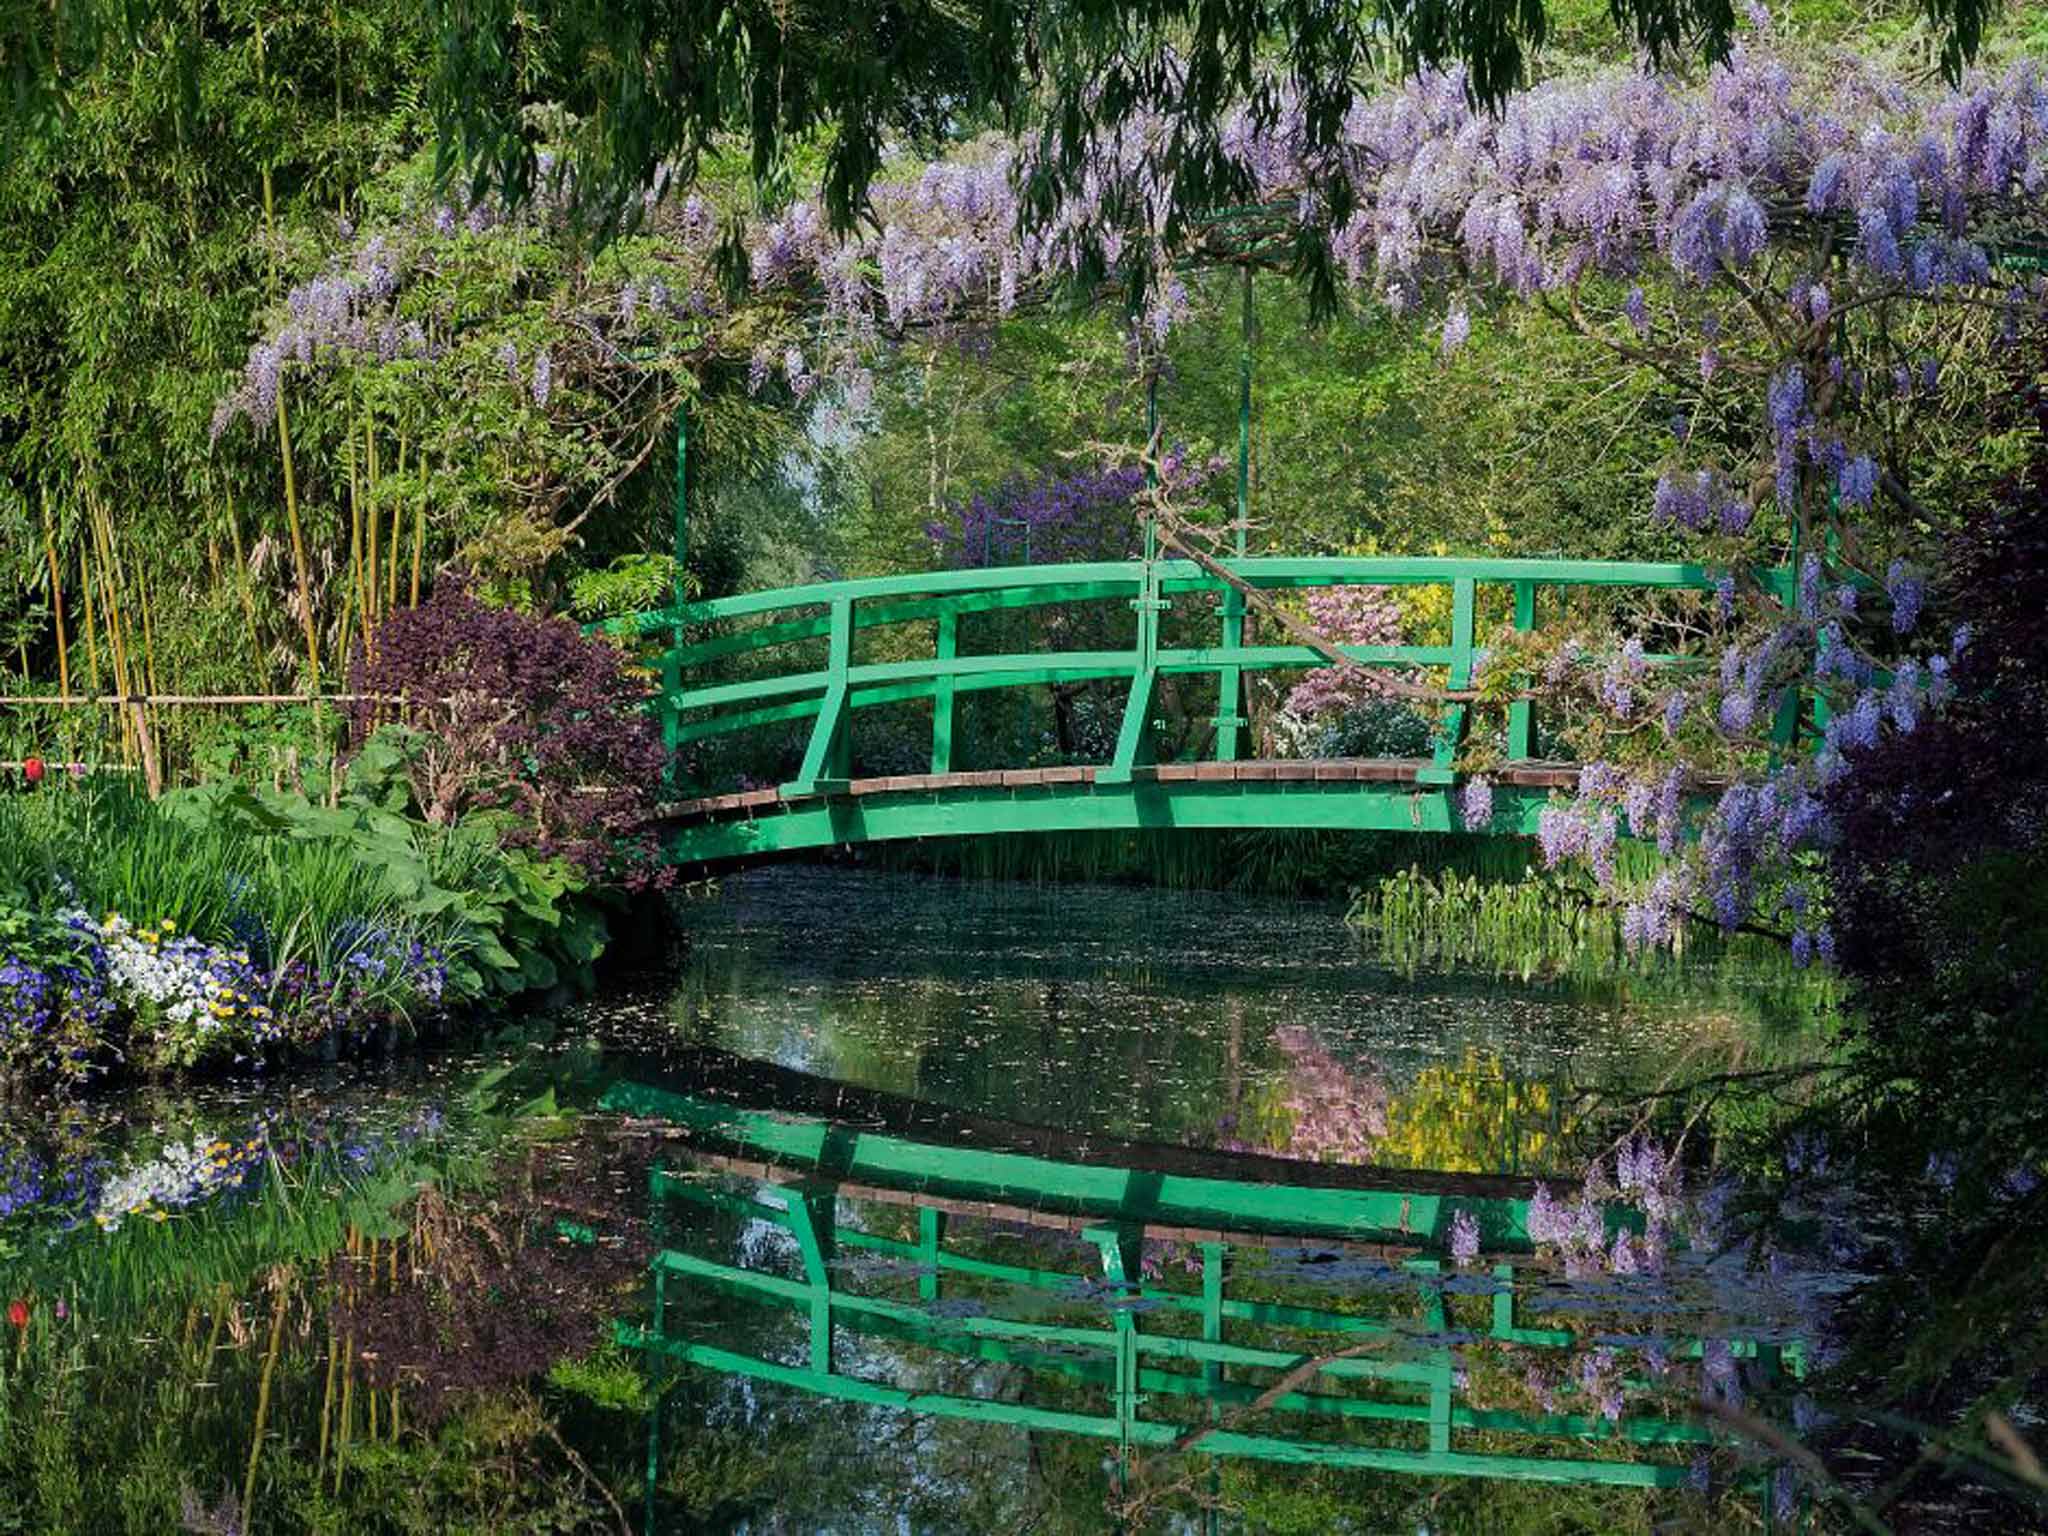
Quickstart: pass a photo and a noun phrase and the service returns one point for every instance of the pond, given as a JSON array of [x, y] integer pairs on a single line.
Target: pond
[[409, 1360]]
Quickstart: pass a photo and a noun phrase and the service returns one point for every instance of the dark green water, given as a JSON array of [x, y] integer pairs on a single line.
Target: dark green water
[[1196, 1019]]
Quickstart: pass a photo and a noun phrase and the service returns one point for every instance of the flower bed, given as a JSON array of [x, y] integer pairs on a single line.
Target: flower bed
[[158, 998]]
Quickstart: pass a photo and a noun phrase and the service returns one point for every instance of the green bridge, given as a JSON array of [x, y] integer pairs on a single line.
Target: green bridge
[[820, 656]]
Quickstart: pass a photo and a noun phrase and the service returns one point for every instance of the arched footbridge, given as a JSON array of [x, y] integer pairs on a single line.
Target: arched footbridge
[[826, 657]]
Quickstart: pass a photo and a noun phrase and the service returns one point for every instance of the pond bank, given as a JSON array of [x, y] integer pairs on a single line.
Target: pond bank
[[226, 927]]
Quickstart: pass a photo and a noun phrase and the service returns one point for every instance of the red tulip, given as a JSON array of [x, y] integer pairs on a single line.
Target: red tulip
[[32, 770], [17, 1313]]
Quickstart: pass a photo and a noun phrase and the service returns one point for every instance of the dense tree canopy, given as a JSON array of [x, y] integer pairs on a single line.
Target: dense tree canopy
[[648, 87]]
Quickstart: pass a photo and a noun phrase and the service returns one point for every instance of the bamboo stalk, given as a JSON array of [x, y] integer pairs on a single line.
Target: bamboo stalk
[[242, 583], [220, 1312], [152, 768], [110, 617], [397, 514], [348, 1356], [92, 645], [148, 631], [284, 427], [356, 598], [419, 540], [348, 614], [56, 600], [283, 1283], [124, 656], [370, 614], [291, 512], [327, 1399]]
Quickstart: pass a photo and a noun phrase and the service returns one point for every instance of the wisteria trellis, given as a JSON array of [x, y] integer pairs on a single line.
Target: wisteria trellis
[[1800, 248]]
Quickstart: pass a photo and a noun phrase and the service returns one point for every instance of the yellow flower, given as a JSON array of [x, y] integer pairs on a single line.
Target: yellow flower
[[168, 925]]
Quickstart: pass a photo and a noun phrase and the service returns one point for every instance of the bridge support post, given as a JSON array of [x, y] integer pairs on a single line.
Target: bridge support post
[[1521, 713], [1451, 728], [1134, 745], [1122, 1249], [931, 1235], [1230, 717], [945, 648], [812, 1221], [1212, 1372], [827, 760]]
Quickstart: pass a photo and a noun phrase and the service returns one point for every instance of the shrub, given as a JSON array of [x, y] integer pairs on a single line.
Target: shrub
[[1941, 863], [518, 714]]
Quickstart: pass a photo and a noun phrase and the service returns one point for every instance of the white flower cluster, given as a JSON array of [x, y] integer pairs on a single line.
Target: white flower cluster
[[167, 972], [200, 994]]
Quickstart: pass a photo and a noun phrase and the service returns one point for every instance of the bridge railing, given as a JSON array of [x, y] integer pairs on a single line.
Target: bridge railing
[[831, 694]]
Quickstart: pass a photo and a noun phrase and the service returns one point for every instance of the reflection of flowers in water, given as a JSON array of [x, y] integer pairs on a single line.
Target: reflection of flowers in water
[[1332, 1113], [1648, 1180], [67, 1185], [184, 1174]]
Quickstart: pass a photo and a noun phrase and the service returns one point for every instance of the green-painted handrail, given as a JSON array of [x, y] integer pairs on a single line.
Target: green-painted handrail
[[829, 694], [1126, 576]]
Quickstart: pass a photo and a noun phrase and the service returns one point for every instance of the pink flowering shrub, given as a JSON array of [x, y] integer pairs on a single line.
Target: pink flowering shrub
[[1346, 616]]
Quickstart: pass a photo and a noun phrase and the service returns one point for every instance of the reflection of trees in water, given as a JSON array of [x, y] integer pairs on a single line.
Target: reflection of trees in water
[[438, 1367], [1471, 1117], [1474, 1118], [489, 1289]]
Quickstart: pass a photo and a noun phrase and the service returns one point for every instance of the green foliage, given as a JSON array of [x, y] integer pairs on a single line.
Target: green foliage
[[326, 897], [630, 584]]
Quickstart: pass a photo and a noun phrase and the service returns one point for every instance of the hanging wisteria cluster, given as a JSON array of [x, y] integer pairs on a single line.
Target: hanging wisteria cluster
[[1575, 186]]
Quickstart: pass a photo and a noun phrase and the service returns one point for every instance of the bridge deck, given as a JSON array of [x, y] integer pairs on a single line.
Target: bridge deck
[[1351, 770]]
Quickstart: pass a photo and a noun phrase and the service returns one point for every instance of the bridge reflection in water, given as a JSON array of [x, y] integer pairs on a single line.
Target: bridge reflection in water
[[1165, 1300]]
